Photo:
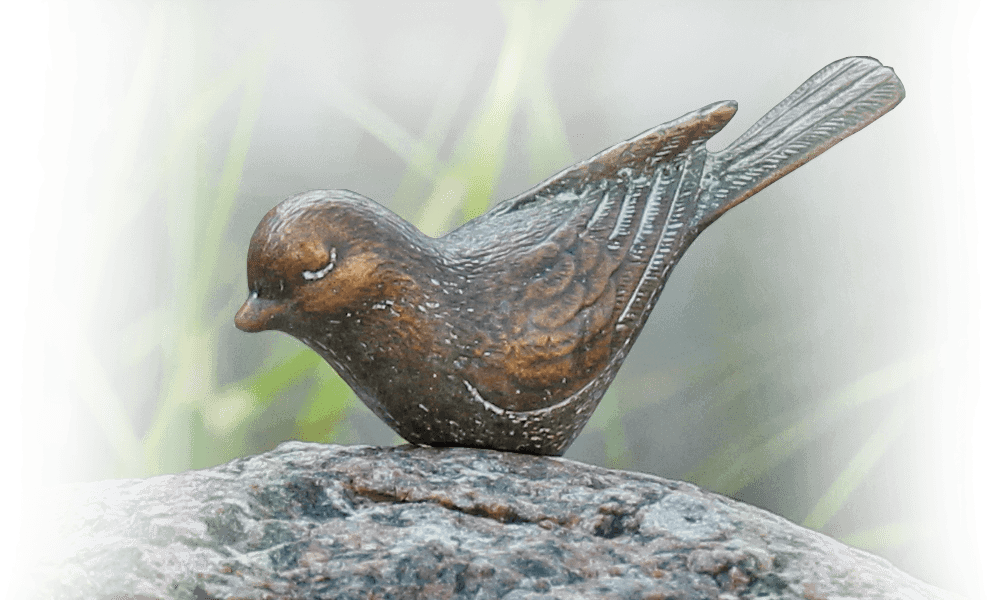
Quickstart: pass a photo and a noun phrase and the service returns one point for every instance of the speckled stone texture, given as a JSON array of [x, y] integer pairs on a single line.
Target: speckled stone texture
[[318, 521]]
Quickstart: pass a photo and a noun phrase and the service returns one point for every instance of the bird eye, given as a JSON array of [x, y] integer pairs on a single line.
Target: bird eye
[[321, 273]]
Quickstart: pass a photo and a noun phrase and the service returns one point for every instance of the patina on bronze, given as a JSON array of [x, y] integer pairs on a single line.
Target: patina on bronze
[[506, 332]]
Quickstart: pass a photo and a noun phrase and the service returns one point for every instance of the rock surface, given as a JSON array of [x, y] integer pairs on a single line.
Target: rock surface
[[318, 521]]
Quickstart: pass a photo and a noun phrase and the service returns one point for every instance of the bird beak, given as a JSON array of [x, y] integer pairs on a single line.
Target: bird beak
[[257, 314]]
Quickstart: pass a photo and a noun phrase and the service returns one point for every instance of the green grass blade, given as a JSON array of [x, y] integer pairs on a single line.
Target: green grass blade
[[745, 460], [424, 159], [468, 184], [212, 235], [385, 129], [882, 537], [856, 470]]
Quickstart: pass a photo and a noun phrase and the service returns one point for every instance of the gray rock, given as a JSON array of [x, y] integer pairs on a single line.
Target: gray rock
[[318, 521]]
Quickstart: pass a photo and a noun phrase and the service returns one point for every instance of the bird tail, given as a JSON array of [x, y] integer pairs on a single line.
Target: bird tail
[[839, 100]]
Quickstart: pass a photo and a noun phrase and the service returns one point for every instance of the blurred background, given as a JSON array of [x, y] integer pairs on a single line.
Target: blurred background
[[823, 351]]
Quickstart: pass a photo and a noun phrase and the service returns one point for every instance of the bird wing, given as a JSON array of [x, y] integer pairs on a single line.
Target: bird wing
[[569, 268]]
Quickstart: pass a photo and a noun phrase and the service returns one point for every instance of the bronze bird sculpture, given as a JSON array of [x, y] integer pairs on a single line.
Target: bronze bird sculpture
[[506, 332]]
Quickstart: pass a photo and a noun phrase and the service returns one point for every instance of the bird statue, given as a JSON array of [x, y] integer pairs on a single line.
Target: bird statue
[[506, 332]]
